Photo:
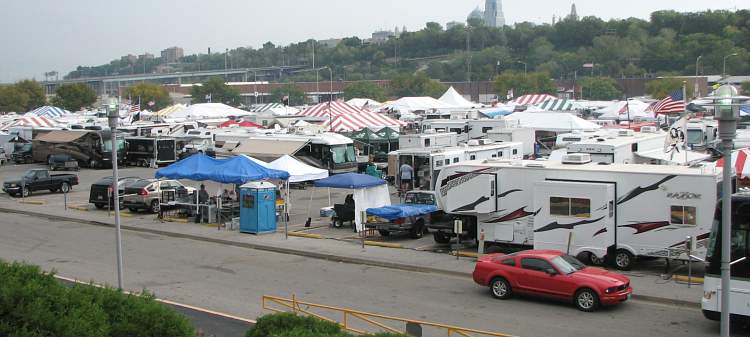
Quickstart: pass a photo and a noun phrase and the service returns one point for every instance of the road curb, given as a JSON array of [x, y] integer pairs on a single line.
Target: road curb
[[32, 202], [311, 254], [305, 235], [383, 244]]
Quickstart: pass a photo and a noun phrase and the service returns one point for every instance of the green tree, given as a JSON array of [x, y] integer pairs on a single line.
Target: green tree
[[745, 88], [364, 89], [13, 99], [409, 85], [216, 91], [662, 87], [295, 94], [74, 96], [600, 88], [524, 84], [149, 92], [34, 91]]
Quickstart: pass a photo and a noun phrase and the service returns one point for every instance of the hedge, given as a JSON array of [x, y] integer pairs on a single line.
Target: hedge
[[291, 325], [33, 303]]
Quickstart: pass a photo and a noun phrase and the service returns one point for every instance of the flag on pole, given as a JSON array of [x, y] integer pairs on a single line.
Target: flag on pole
[[135, 108], [510, 94], [674, 103], [676, 136]]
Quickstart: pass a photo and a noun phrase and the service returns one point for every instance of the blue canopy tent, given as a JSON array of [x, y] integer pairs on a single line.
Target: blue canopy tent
[[369, 192], [236, 170]]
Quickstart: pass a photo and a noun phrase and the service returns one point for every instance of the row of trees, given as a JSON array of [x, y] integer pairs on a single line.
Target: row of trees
[[669, 43], [22, 96]]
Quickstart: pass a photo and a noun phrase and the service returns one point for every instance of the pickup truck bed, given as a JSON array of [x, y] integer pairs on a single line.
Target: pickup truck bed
[[410, 218]]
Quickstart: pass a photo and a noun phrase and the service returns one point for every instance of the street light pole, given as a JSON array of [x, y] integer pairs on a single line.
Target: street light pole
[[696, 92], [113, 118], [524, 67], [724, 68]]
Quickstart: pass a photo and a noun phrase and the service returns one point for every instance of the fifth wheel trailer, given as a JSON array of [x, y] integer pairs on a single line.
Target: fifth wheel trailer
[[590, 210]]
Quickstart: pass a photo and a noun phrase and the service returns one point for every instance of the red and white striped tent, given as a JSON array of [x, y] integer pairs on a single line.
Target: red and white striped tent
[[32, 121], [533, 99], [333, 109], [740, 162], [359, 121]]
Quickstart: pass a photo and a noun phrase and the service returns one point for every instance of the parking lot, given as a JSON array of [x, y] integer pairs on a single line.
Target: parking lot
[[304, 203]]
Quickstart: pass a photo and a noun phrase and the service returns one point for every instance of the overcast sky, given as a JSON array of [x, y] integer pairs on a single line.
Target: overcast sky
[[44, 35]]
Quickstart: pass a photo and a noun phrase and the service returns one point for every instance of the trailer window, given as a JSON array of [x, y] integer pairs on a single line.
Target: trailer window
[[447, 162], [455, 160], [682, 215], [573, 207]]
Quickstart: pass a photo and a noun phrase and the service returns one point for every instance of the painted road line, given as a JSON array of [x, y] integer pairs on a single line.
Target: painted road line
[[179, 220], [84, 208], [465, 254], [306, 235], [383, 244], [177, 304], [33, 202], [685, 279]]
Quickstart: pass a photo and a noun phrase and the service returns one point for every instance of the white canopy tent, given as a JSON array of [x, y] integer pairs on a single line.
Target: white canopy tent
[[621, 110], [298, 171], [207, 111], [453, 98], [365, 103], [552, 121], [410, 104]]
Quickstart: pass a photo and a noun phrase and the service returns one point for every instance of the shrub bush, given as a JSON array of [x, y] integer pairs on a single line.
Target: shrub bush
[[33, 303], [291, 325]]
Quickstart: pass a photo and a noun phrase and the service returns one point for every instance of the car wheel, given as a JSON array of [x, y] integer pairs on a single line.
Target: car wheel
[[441, 237], [624, 259], [26, 192], [93, 163], [99, 206], [155, 206], [417, 232], [500, 288], [384, 232], [64, 188], [586, 300], [595, 260], [132, 210]]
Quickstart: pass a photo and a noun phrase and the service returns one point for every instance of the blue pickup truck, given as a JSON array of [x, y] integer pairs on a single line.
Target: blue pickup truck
[[419, 209]]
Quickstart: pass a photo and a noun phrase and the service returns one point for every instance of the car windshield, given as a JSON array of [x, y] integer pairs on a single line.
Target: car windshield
[[419, 198], [565, 266]]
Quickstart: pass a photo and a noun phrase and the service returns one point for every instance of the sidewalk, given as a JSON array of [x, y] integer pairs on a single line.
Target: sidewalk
[[647, 286]]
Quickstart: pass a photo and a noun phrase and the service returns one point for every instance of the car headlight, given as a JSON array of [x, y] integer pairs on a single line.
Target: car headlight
[[610, 290], [12, 185]]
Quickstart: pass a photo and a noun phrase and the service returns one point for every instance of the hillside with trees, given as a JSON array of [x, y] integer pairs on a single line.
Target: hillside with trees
[[669, 43]]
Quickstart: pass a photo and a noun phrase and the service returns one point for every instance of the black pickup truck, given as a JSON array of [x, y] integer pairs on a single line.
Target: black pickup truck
[[38, 180]]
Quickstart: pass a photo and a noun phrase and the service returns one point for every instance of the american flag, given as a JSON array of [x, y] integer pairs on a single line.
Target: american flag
[[674, 103], [135, 108]]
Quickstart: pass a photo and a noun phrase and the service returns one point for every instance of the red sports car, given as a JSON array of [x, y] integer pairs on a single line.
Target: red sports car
[[551, 273]]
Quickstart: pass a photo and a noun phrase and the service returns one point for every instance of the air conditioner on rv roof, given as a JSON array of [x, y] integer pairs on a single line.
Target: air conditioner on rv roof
[[625, 133], [576, 158], [649, 129]]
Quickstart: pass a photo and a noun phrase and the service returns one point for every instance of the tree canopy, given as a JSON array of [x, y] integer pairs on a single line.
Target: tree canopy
[[409, 85], [524, 83], [288, 94], [668, 43], [364, 90], [74, 96], [216, 91], [147, 93], [662, 87], [25, 95], [600, 89]]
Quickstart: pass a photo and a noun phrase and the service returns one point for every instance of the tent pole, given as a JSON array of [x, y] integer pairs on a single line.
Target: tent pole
[[329, 196], [286, 213]]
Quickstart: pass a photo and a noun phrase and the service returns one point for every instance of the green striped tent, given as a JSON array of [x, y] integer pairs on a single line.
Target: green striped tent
[[556, 105]]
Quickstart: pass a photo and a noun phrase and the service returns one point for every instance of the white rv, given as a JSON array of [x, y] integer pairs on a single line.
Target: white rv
[[428, 139], [587, 209], [621, 146], [428, 162], [468, 128], [702, 133]]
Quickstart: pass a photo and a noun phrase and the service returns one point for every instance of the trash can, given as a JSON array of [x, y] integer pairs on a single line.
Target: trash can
[[258, 207]]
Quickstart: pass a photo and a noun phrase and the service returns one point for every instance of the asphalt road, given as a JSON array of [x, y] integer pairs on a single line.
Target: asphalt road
[[232, 280]]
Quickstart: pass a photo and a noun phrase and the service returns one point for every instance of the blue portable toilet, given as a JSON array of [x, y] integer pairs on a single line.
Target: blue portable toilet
[[258, 207]]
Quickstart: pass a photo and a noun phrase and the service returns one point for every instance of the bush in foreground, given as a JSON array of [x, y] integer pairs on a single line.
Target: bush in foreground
[[291, 325], [33, 303]]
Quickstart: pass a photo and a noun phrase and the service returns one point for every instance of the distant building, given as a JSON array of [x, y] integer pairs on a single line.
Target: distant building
[[491, 16], [130, 58], [453, 24], [573, 12], [172, 55], [146, 56], [382, 36], [329, 43]]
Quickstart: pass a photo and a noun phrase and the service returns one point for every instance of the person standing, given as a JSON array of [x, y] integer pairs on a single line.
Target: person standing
[[406, 173], [202, 203]]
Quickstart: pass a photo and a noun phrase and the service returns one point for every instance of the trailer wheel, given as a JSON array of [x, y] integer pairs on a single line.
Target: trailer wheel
[[417, 231], [441, 237], [624, 259]]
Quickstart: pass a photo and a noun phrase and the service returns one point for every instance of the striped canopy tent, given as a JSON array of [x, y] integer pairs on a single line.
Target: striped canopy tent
[[32, 121], [47, 111], [740, 162], [330, 108], [266, 107], [532, 99], [359, 121], [556, 105]]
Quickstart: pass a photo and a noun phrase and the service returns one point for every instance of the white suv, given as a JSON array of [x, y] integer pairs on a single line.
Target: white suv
[[145, 193]]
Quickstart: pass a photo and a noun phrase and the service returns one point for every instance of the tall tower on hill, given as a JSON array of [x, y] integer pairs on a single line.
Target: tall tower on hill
[[573, 12], [493, 13]]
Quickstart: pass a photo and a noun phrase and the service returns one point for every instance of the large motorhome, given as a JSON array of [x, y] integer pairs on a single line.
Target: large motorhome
[[590, 210], [623, 146], [467, 128], [702, 133], [326, 150], [92, 148], [150, 152], [428, 162]]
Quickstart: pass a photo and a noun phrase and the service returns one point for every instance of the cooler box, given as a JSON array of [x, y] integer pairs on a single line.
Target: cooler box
[[258, 207]]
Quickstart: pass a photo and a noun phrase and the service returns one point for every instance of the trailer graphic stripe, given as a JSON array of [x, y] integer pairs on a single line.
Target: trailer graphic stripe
[[556, 225], [471, 206], [643, 227], [508, 192], [601, 231], [517, 214], [640, 190]]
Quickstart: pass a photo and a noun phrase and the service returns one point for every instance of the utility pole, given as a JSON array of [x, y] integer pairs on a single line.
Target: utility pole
[[113, 119]]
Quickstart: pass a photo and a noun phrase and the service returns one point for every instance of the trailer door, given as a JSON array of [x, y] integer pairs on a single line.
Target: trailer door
[[165, 150], [575, 217], [470, 193]]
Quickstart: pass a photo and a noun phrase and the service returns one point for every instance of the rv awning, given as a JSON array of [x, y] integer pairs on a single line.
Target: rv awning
[[269, 147], [678, 158], [61, 136]]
